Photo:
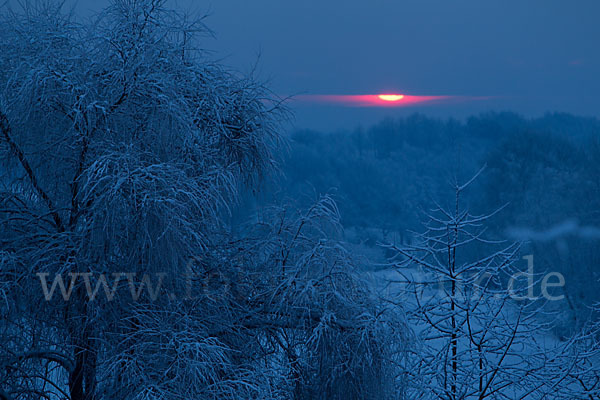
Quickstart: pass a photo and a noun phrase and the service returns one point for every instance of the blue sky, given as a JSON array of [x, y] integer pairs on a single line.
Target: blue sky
[[533, 56]]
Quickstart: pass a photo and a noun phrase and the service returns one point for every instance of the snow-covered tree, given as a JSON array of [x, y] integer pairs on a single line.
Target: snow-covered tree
[[342, 342], [481, 334], [123, 148]]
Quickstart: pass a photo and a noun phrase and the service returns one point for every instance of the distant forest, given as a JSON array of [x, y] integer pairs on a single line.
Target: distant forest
[[543, 171]]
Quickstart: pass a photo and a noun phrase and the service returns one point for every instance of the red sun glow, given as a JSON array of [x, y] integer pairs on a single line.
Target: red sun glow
[[373, 100]]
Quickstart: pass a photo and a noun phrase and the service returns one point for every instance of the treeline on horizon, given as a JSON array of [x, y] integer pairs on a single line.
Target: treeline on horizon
[[544, 172]]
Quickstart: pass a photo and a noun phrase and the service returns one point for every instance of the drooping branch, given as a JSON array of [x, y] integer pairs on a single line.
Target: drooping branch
[[6, 133], [48, 355]]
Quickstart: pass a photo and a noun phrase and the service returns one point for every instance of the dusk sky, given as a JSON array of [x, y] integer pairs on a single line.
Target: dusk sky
[[530, 57]]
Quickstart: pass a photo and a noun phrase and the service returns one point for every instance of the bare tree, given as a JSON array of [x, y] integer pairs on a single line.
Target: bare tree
[[481, 334]]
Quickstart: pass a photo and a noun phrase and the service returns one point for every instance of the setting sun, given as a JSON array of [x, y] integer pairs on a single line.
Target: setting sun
[[391, 97]]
